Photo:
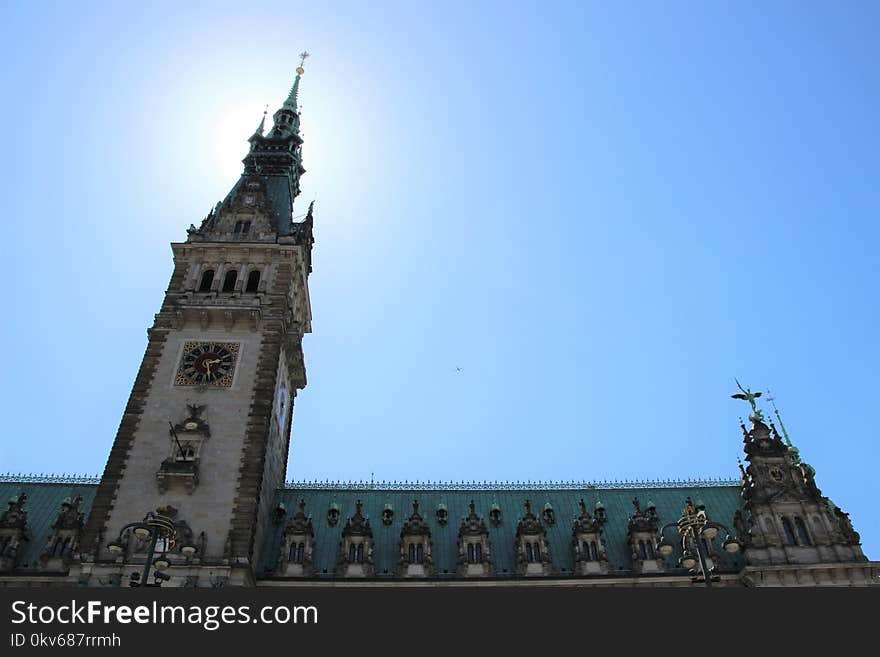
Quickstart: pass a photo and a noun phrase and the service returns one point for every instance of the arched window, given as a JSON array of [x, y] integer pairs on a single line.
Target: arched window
[[470, 551], [536, 548], [58, 548], [529, 556], [802, 531], [789, 533], [300, 552], [586, 551], [352, 553], [420, 553], [292, 555], [650, 547], [594, 550], [642, 554], [246, 228], [412, 552], [207, 280], [229, 280], [360, 553], [253, 281], [237, 228], [479, 552]]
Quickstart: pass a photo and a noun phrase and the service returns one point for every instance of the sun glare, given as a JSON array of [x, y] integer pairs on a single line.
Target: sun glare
[[229, 134]]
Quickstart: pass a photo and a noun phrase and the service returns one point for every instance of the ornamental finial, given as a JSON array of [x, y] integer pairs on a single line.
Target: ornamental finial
[[302, 59]]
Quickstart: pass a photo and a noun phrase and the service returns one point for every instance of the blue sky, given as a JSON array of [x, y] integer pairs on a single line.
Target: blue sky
[[601, 212]]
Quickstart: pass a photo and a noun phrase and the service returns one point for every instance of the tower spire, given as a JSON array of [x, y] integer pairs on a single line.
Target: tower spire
[[260, 128], [291, 101], [788, 443]]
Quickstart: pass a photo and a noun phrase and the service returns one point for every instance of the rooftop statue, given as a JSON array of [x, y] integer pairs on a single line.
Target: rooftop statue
[[749, 396]]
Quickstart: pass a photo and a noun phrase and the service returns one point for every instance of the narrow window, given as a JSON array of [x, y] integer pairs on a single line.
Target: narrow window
[[412, 553], [246, 228], [300, 552], [292, 555], [253, 281], [802, 531], [237, 228], [351, 553], [58, 547], [470, 553], [229, 280], [479, 552], [529, 556], [537, 551], [586, 551], [420, 553], [207, 279], [650, 547], [642, 554], [594, 550], [360, 553], [789, 533]]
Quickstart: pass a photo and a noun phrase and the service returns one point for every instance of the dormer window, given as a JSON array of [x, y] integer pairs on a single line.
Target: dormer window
[[416, 553], [475, 552], [356, 553], [533, 552], [591, 551], [297, 552]]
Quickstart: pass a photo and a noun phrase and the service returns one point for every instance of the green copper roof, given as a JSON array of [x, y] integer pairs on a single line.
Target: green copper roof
[[291, 101], [42, 506], [721, 503]]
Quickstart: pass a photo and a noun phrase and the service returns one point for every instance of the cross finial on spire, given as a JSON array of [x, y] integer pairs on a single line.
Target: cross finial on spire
[[302, 60]]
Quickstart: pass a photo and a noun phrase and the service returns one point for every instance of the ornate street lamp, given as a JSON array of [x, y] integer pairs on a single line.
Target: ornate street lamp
[[154, 526], [695, 525]]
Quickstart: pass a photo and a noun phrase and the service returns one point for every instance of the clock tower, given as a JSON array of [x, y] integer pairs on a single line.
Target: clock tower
[[204, 437]]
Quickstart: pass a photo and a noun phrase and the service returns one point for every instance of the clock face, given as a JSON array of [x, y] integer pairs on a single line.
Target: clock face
[[207, 364]]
